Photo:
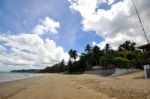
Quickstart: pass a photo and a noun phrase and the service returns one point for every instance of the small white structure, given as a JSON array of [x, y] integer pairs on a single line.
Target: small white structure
[[147, 71]]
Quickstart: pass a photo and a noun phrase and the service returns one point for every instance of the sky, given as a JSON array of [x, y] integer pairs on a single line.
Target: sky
[[39, 33]]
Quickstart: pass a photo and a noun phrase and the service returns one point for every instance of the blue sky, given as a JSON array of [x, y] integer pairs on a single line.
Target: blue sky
[[21, 16], [39, 33]]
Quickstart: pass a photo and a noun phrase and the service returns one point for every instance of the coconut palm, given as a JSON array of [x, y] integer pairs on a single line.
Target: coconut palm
[[96, 54], [73, 54], [88, 48], [107, 48]]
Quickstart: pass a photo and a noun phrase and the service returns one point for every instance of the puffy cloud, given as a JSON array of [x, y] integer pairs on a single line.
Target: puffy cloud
[[30, 50], [47, 25], [117, 24]]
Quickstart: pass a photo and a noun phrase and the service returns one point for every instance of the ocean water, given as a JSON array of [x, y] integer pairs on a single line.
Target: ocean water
[[9, 76]]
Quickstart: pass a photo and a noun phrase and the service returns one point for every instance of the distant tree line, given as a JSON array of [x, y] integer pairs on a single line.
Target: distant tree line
[[56, 68], [126, 56], [26, 71]]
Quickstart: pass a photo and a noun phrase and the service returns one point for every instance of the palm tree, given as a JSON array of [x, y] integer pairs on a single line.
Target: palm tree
[[70, 53], [96, 54], [73, 54], [88, 48], [70, 66], [107, 48], [62, 65]]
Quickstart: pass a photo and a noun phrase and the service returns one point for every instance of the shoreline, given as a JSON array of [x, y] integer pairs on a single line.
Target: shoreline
[[27, 75]]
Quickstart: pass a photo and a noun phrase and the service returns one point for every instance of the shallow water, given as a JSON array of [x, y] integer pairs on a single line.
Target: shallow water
[[9, 76]]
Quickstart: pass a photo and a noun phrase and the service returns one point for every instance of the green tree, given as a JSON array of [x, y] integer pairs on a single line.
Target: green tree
[[107, 48], [127, 45], [73, 54], [124, 53], [62, 65], [121, 62], [139, 55], [96, 54], [106, 61], [70, 53], [86, 58], [70, 66], [88, 48], [126, 50]]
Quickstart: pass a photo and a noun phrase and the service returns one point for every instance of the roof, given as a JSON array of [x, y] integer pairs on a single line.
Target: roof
[[146, 46]]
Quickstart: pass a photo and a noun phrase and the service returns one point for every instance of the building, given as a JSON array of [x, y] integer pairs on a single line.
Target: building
[[145, 47], [146, 50]]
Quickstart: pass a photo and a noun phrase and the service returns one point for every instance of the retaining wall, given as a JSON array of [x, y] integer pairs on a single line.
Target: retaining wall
[[147, 71]]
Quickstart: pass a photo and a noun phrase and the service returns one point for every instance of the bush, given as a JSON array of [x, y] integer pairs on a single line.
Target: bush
[[88, 67], [76, 66], [106, 60], [121, 62]]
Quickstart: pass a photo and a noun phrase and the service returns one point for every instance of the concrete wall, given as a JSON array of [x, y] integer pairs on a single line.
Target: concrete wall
[[107, 72], [119, 71], [112, 72], [147, 71]]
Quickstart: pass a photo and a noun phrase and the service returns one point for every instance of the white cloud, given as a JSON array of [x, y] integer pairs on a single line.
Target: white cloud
[[117, 24], [47, 25], [94, 43], [110, 1], [30, 50]]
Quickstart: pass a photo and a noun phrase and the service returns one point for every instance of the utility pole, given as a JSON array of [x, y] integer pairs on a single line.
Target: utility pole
[[140, 21]]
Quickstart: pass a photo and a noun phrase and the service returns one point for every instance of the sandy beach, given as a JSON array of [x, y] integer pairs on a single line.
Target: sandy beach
[[85, 86]]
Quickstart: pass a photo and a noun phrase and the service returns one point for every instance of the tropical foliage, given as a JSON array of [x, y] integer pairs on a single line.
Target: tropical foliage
[[121, 62], [125, 57], [107, 61]]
